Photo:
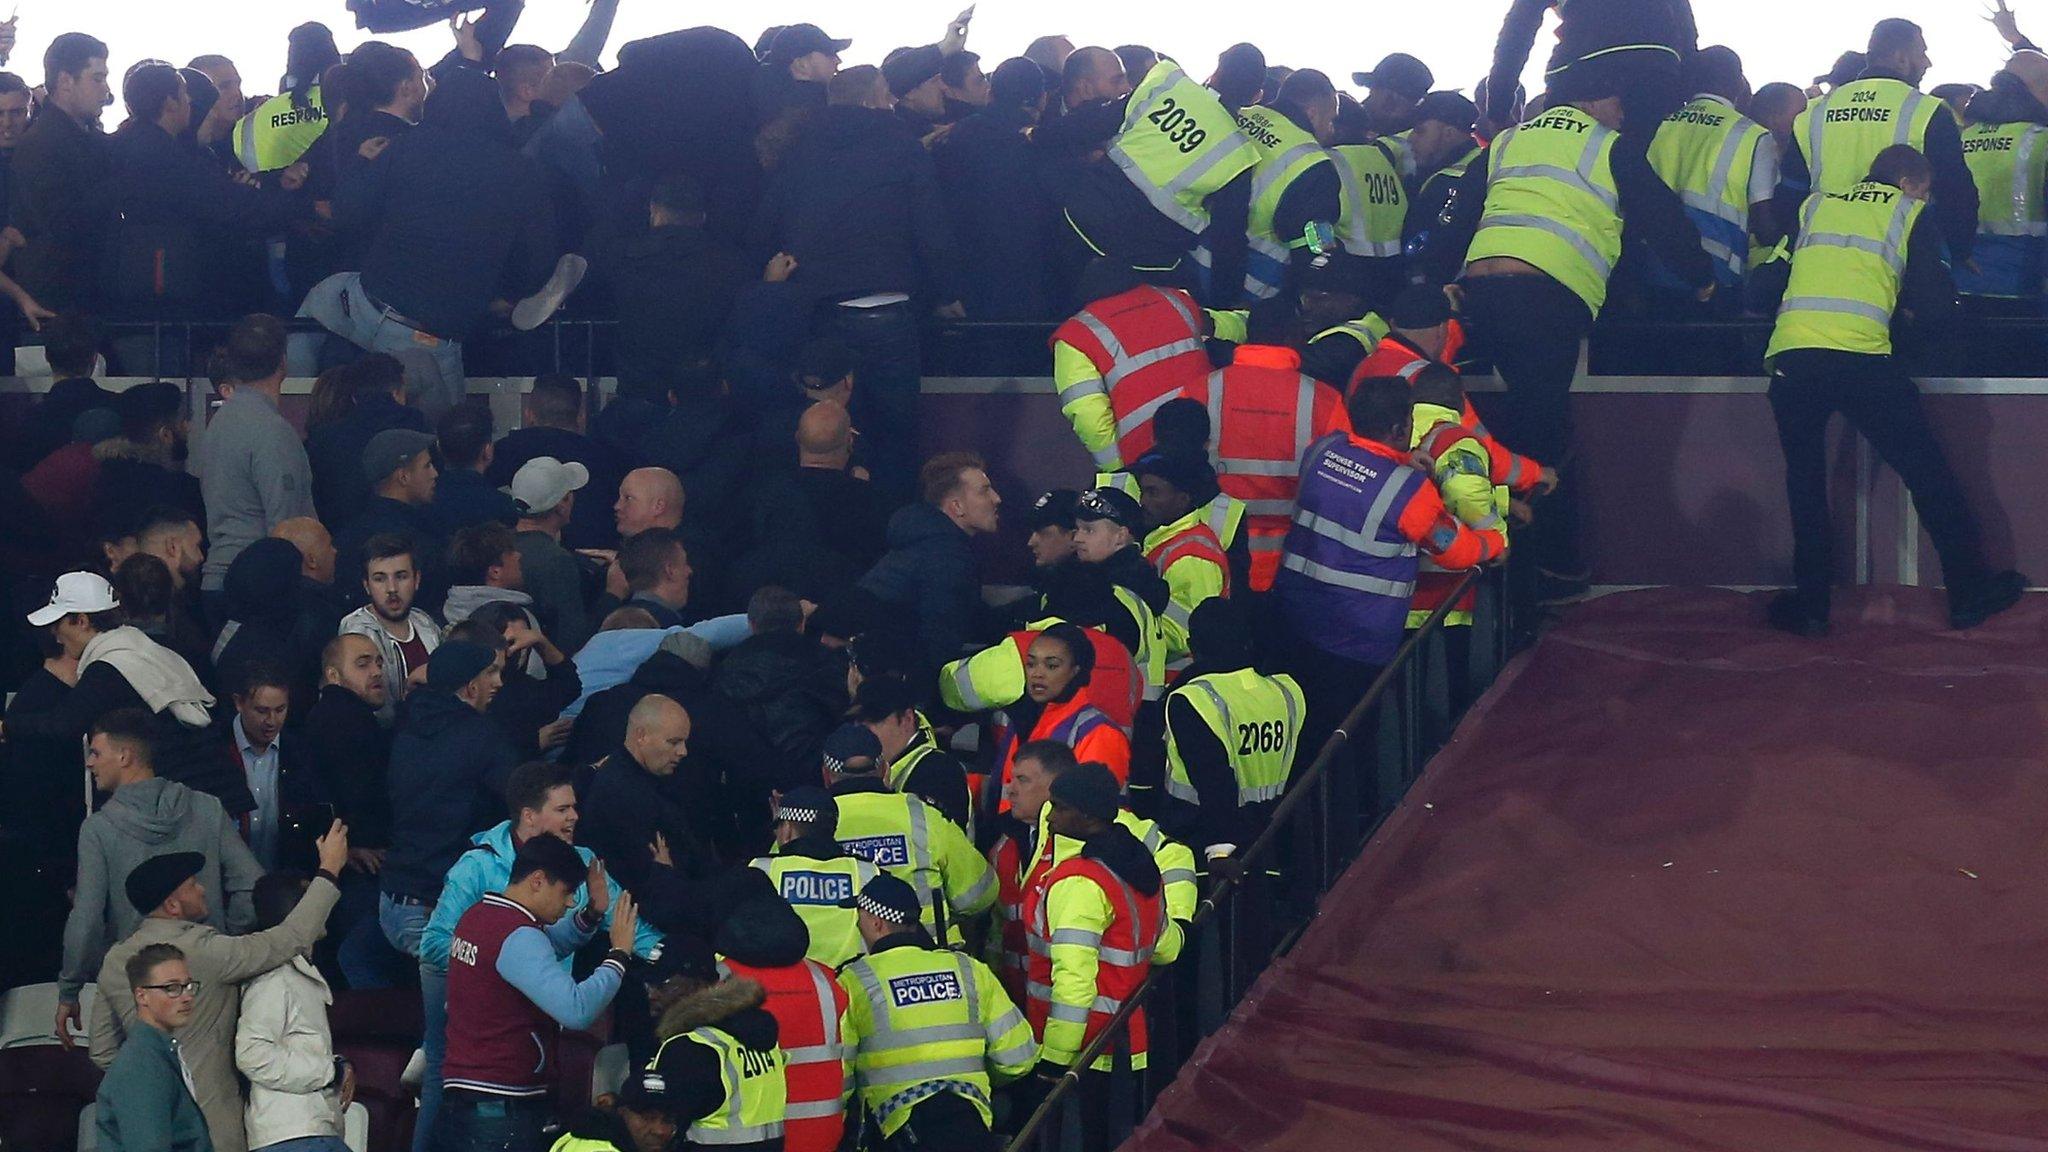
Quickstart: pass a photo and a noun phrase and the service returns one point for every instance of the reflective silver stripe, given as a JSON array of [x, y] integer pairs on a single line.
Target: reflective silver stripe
[[1239, 466], [1111, 346], [1267, 508], [1258, 794], [1411, 369], [1357, 583], [1122, 369], [1161, 196], [1174, 876], [245, 146], [1008, 1020], [1107, 459], [1571, 176], [1909, 111], [1304, 418], [1829, 304], [1724, 166], [1016, 1053], [1182, 791], [963, 683], [1857, 243], [1068, 1013], [923, 1070], [812, 1053], [2024, 195], [1557, 228], [1079, 936], [1123, 957], [816, 1109], [1219, 519], [1142, 415], [828, 1014], [921, 855], [1179, 302], [918, 1037], [1215, 402], [1177, 612], [1736, 262], [1816, 124], [1092, 386], [1033, 990], [973, 895]]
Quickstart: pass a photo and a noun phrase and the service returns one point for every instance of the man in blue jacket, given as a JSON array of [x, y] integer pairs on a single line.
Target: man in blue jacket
[[146, 1101], [930, 567], [542, 801]]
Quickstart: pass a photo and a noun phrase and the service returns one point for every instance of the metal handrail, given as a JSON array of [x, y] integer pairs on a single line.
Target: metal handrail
[[1300, 787]]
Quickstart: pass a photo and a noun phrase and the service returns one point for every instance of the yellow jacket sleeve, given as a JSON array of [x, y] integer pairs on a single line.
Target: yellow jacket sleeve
[[1233, 327], [1077, 912], [860, 1024], [1012, 1051], [1084, 398], [970, 882], [1464, 478], [991, 678]]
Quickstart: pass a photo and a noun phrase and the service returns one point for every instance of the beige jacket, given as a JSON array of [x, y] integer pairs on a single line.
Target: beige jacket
[[284, 1048], [220, 964]]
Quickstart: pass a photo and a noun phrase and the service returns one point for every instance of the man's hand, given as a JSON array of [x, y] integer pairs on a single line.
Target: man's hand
[[417, 676], [1547, 481], [615, 582], [246, 178], [348, 1086], [68, 1017], [952, 311], [781, 267], [334, 849], [370, 860], [936, 136], [599, 887], [956, 32], [555, 733], [373, 147], [625, 923], [466, 42], [519, 636], [659, 850], [294, 178], [2001, 18], [35, 314], [1707, 293]]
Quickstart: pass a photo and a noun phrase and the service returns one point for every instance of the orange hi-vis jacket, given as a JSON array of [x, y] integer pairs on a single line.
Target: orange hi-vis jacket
[[1077, 723], [1118, 954], [809, 1007], [1396, 357], [1146, 347], [1263, 415]]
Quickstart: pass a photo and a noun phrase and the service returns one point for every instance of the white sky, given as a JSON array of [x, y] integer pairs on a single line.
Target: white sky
[[1779, 39]]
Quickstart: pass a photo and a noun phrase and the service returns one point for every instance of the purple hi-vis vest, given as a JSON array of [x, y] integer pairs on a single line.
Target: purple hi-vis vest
[[1346, 571]]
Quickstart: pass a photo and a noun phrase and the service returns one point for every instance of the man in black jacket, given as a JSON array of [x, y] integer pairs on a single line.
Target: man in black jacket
[[60, 178], [930, 569], [553, 426], [673, 287], [456, 214], [399, 466], [351, 756], [1001, 215], [634, 818], [187, 238], [779, 677], [857, 206]]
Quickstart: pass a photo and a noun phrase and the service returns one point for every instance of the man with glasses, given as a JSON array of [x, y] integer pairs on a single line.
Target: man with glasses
[[146, 1101], [167, 891]]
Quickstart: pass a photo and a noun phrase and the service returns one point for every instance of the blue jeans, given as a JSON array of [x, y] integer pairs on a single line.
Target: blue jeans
[[434, 1047], [366, 958], [403, 924], [306, 1144], [433, 365], [471, 1122]]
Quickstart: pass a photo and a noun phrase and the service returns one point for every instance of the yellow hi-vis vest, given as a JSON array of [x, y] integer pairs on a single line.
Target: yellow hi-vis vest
[[1286, 153], [925, 1021], [1179, 145], [1846, 271], [815, 888], [756, 1097], [910, 840], [2009, 163], [1842, 132], [1464, 475], [1706, 152], [276, 133], [1258, 719], [1551, 201], [1375, 205]]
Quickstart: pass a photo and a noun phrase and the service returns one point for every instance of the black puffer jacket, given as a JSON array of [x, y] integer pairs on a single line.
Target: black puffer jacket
[[929, 570]]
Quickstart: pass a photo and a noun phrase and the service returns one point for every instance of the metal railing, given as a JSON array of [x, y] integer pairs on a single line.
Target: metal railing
[[1320, 817]]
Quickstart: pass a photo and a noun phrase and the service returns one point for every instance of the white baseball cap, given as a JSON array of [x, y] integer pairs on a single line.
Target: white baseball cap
[[75, 592], [543, 482]]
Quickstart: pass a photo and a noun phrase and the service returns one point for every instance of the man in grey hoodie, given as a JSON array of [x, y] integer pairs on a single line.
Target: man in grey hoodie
[[145, 817]]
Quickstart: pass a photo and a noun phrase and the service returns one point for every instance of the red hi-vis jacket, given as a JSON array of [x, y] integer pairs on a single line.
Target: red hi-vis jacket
[[809, 1007], [1396, 357], [1147, 346], [1065, 1018], [1263, 415]]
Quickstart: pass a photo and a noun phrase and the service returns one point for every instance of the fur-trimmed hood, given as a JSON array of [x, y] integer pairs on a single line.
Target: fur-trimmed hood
[[122, 448], [732, 1006]]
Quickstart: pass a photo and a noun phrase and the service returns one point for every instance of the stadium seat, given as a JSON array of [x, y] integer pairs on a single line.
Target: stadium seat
[[42, 1087], [27, 1013], [378, 1031], [609, 1071]]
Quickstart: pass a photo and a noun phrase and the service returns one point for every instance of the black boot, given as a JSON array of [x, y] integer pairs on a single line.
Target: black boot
[[1973, 605], [1791, 612]]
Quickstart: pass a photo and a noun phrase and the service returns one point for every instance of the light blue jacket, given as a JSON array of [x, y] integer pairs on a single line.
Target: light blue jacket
[[611, 658], [488, 868]]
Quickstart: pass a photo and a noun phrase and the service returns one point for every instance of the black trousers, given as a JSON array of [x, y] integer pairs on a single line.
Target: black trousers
[[1532, 328], [1808, 386], [943, 1123]]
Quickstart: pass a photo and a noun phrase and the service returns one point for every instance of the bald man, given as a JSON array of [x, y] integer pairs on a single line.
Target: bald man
[[648, 498], [1092, 74], [824, 437], [315, 545], [631, 817]]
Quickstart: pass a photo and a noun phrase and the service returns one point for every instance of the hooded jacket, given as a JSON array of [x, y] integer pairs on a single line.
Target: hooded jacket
[[335, 450], [136, 478], [789, 692], [930, 569], [696, 1088], [270, 621], [487, 867], [148, 818], [448, 768]]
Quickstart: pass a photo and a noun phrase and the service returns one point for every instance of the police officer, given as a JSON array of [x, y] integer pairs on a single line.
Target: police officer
[[933, 1032], [1724, 166], [1863, 255], [1837, 138], [1556, 191], [719, 1064], [912, 760], [904, 836], [1296, 187], [639, 1120], [815, 874], [1231, 736]]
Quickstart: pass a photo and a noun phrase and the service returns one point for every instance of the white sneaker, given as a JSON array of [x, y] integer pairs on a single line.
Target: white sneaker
[[415, 1070], [534, 311]]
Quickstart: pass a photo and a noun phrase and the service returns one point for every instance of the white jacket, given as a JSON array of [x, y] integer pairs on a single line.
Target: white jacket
[[283, 1046], [363, 622]]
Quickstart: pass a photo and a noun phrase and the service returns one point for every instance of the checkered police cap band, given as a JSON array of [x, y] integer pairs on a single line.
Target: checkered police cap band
[[881, 911], [799, 815]]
